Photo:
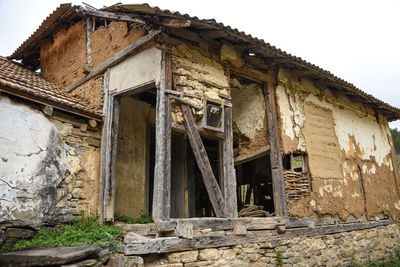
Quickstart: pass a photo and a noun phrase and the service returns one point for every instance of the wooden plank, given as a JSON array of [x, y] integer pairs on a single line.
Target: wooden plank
[[175, 244], [177, 176], [213, 190], [252, 155], [228, 166], [162, 169], [278, 182], [118, 57]]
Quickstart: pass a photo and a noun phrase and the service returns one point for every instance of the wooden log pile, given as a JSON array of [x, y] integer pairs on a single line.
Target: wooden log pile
[[297, 185], [254, 211]]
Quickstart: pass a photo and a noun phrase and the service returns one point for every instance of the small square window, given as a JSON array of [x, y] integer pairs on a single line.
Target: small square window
[[213, 118]]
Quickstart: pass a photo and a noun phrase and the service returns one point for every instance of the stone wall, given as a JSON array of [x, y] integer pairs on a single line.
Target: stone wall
[[49, 167], [377, 244]]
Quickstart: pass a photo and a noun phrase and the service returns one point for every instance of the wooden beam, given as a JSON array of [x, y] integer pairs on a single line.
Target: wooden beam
[[213, 190], [108, 154], [112, 15], [214, 240], [278, 182], [118, 57], [228, 166], [162, 168], [174, 23], [252, 155]]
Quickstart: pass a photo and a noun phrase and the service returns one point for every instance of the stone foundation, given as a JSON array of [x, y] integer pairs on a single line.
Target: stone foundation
[[378, 244]]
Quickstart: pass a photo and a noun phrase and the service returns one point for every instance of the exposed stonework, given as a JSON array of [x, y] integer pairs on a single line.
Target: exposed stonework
[[45, 177], [378, 244]]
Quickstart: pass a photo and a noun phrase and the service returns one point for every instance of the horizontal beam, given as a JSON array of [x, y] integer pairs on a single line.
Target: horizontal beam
[[252, 155], [118, 57]]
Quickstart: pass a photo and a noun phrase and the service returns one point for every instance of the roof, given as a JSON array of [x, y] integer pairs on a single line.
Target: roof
[[265, 52], [16, 80]]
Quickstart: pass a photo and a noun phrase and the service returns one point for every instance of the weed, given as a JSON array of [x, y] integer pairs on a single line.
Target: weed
[[86, 231], [143, 219], [5, 248], [279, 258]]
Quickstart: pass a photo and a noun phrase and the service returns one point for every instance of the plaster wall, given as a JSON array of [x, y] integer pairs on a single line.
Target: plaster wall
[[349, 151], [47, 174], [248, 116], [131, 164], [138, 70]]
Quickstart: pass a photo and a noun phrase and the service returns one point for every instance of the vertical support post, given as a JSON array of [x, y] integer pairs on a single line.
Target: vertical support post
[[108, 153], [162, 168], [278, 183], [229, 167]]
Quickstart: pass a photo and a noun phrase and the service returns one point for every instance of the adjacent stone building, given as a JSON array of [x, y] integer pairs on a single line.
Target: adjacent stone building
[[138, 110]]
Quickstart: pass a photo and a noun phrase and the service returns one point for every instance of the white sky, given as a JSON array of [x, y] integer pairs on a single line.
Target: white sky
[[357, 40]]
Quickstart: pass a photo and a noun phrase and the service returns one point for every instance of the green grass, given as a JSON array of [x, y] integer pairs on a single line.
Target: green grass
[[143, 219], [86, 231]]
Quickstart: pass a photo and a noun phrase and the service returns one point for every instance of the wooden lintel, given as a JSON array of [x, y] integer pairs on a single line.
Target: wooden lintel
[[118, 57], [174, 23], [278, 182], [252, 155]]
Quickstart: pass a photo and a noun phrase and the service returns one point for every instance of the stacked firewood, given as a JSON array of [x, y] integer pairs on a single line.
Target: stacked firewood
[[297, 185], [254, 211]]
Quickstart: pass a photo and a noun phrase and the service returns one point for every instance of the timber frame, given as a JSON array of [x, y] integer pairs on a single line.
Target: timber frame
[[223, 198]]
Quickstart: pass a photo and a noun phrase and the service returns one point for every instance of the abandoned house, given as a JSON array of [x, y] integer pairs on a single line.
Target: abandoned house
[[236, 148]]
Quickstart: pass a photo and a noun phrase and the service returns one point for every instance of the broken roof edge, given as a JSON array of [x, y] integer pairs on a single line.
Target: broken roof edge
[[18, 81], [392, 113]]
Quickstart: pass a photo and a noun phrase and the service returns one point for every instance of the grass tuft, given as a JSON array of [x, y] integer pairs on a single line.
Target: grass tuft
[[143, 219], [86, 231]]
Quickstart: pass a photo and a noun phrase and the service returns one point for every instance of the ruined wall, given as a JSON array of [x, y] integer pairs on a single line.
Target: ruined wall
[[197, 75], [91, 92], [378, 244], [49, 170], [349, 151], [248, 116], [107, 41], [131, 164], [62, 59]]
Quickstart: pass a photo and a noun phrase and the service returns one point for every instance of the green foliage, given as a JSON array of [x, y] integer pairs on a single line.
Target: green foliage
[[279, 258], [5, 248], [143, 219], [86, 231], [396, 139], [394, 262]]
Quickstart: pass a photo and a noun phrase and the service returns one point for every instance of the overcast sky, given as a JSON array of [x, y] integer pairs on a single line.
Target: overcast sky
[[358, 41]]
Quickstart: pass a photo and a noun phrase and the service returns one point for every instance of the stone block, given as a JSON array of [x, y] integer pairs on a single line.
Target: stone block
[[209, 254], [77, 193], [228, 254], [186, 256], [85, 263], [19, 233], [120, 260]]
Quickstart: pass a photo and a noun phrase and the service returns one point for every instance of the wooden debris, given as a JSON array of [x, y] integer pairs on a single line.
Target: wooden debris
[[254, 211]]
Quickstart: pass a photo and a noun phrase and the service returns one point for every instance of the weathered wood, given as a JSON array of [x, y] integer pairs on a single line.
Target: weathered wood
[[162, 169], [118, 57], [174, 23], [112, 15], [278, 182], [252, 155], [174, 244], [104, 146], [228, 166], [213, 190]]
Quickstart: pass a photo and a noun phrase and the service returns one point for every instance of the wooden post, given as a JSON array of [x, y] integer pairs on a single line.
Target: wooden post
[[162, 168], [278, 182], [108, 154], [229, 169], [213, 190]]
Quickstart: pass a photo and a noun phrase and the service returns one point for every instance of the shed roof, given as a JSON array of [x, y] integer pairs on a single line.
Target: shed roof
[[18, 81], [210, 29]]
